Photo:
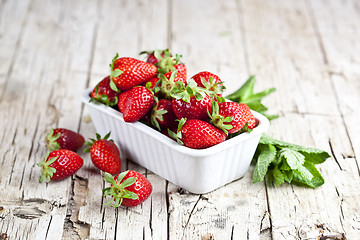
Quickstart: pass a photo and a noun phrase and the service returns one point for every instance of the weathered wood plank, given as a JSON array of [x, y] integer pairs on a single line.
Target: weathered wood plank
[[338, 32], [235, 211], [11, 33], [209, 36], [125, 27], [41, 92], [310, 115]]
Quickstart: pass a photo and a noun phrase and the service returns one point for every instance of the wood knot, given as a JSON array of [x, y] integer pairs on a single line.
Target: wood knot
[[3, 236], [208, 236]]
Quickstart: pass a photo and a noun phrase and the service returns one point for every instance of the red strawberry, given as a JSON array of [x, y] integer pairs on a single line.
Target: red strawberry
[[232, 116], [166, 62], [104, 93], [197, 134], [104, 154], [160, 54], [210, 82], [162, 115], [122, 100], [151, 83], [138, 103], [128, 189], [61, 138], [168, 83], [182, 72], [194, 109], [59, 164], [129, 72], [191, 102]]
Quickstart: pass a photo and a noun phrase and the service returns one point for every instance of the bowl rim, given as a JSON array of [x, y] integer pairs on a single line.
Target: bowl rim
[[262, 127]]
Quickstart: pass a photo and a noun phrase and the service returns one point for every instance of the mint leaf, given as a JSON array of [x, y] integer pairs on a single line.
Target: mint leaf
[[293, 158], [279, 177], [282, 161], [266, 156], [288, 176], [316, 181], [313, 155], [245, 94]]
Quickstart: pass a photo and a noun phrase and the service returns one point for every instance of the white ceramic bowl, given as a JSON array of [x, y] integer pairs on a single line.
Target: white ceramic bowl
[[198, 171]]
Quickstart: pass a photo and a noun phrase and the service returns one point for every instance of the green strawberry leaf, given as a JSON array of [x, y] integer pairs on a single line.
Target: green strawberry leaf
[[128, 182], [130, 195]]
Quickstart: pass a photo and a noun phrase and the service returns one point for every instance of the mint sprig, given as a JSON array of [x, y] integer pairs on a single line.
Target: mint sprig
[[245, 94], [287, 162], [277, 160]]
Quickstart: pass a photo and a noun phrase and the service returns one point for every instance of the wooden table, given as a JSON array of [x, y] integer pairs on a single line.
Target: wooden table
[[50, 51]]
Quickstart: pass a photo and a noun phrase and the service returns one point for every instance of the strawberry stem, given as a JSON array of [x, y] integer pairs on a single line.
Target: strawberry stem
[[51, 142], [46, 171], [117, 189]]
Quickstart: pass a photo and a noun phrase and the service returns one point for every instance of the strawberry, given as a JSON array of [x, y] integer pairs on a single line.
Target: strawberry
[[211, 82], [191, 103], [182, 72], [104, 93], [194, 109], [232, 117], [61, 138], [165, 62], [129, 189], [151, 83], [128, 72], [197, 134], [104, 154], [122, 100], [168, 83], [162, 115], [138, 103], [59, 164], [152, 59]]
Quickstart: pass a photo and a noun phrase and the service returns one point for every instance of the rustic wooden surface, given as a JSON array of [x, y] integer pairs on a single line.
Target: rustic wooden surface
[[50, 51]]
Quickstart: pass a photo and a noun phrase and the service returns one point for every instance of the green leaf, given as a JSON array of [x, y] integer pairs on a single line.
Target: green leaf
[[128, 182], [293, 158], [131, 195], [113, 86], [316, 181], [244, 91], [313, 155], [121, 176], [109, 178], [116, 73], [245, 94], [288, 176], [266, 156], [304, 173], [279, 177]]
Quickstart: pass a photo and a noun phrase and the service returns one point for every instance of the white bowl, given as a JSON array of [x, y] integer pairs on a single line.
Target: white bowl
[[196, 170]]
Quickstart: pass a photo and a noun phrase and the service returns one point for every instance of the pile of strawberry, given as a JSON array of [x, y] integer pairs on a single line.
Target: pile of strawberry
[[156, 92], [129, 188]]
